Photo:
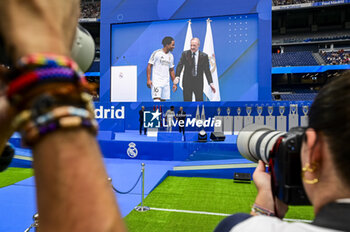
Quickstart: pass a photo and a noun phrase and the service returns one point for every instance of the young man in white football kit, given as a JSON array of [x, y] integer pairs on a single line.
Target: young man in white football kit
[[161, 65]]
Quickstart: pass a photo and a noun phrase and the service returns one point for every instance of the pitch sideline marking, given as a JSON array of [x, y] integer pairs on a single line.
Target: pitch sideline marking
[[190, 211], [218, 214]]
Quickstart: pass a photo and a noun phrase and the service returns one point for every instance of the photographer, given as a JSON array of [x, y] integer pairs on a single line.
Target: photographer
[[325, 162], [44, 97]]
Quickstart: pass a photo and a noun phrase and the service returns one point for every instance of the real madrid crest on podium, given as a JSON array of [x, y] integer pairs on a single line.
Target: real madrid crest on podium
[[293, 120], [238, 121], [132, 150], [304, 120], [248, 119], [270, 119], [259, 119], [281, 120]]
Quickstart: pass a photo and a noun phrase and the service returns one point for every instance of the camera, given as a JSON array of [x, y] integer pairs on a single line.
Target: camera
[[281, 150]]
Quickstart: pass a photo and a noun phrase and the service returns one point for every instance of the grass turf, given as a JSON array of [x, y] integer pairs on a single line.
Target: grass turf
[[14, 175], [198, 194]]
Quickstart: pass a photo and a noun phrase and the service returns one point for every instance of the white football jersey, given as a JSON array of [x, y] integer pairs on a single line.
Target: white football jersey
[[161, 62]]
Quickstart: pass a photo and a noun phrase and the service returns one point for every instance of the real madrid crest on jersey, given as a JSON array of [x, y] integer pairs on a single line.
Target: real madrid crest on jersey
[[132, 150]]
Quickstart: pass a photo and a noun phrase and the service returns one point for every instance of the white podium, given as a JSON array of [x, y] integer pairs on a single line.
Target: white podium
[[124, 83], [221, 127], [293, 117], [228, 125]]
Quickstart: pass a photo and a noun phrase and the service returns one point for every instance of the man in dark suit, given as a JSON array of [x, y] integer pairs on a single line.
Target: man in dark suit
[[181, 117], [141, 119], [196, 63]]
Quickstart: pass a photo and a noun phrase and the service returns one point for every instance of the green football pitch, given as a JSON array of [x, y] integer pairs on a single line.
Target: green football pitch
[[14, 175], [206, 198], [201, 195]]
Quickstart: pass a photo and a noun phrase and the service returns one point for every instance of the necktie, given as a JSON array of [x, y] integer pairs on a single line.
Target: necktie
[[194, 64]]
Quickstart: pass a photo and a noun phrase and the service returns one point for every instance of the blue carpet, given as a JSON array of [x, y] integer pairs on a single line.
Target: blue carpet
[[18, 201], [18, 205]]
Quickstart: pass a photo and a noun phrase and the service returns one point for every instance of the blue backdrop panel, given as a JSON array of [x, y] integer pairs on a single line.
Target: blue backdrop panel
[[129, 112], [169, 136], [243, 64]]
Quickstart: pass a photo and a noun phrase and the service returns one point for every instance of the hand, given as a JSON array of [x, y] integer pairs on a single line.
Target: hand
[[51, 28], [212, 87], [174, 88], [264, 197], [149, 84], [176, 80]]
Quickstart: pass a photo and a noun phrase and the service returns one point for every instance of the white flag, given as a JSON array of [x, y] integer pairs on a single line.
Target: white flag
[[198, 116], [209, 49], [203, 114], [187, 46]]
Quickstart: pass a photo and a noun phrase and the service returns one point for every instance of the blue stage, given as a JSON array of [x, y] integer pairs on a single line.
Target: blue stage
[[168, 146]]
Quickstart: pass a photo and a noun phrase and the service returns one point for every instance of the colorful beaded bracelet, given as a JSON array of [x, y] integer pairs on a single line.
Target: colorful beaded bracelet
[[32, 134], [262, 211], [49, 114]]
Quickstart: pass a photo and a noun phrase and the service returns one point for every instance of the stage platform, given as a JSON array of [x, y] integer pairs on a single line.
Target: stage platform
[[167, 146], [170, 146]]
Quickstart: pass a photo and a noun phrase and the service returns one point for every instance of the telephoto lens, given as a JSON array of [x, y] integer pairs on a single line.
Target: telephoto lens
[[255, 142]]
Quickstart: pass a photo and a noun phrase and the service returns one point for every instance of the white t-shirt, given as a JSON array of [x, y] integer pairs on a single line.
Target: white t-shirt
[[272, 224], [161, 62]]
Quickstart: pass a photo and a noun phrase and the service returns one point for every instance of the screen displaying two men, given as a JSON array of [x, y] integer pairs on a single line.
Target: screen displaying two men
[[202, 59]]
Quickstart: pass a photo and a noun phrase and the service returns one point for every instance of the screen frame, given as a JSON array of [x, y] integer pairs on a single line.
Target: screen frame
[[117, 12]]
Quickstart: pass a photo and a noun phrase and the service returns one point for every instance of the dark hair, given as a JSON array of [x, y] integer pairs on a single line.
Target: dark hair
[[330, 114], [167, 40], [172, 107]]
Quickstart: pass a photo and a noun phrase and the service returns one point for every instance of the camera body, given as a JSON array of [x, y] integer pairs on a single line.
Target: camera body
[[281, 151], [286, 164]]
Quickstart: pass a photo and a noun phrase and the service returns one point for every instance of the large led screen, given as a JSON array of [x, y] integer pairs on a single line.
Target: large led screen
[[231, 43]]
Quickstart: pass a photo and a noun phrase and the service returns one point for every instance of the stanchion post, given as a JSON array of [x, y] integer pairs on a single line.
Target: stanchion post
[[142, 208], [35, 224]]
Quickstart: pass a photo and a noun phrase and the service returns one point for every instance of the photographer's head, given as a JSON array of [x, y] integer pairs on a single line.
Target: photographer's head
[[325, 152]]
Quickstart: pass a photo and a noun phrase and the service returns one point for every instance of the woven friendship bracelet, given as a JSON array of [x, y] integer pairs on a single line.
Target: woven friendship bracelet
[[39, 68], [262, 211], [48, 60], [27, 80]]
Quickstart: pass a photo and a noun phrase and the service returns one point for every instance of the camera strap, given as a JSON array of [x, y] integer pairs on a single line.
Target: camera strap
[[272, 172]]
